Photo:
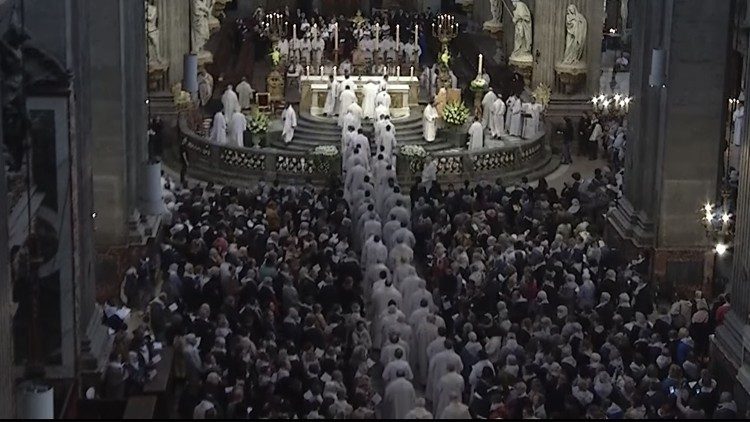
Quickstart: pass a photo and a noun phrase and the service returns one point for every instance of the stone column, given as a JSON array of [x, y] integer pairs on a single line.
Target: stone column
[[549, 40], [174, 26], [673, 157]]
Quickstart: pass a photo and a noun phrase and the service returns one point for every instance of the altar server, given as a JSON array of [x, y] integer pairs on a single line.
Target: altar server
[[330, 104], [219, 129], [347, 98], [487, 102], [245, 94], [476, 135], [429, 123], [289, 117], [497, 117], [237, 128]]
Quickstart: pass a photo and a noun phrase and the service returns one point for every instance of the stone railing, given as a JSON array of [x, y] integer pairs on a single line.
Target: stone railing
[[237, 165], [509, 162]]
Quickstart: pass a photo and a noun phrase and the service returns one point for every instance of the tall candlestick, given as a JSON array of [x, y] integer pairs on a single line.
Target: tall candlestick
[[308, 70], [398, 71], [321, 70], [294, 31], [336, 36], [377, 36], [411, 72], [416, 34], [479, 72], [398, 37], [385, 70], [334, 71]]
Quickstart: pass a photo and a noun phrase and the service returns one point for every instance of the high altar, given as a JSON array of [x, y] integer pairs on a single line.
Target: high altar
[[404, 91]]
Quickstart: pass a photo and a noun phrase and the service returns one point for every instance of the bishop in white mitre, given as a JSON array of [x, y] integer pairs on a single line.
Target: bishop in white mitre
[[429, 123]]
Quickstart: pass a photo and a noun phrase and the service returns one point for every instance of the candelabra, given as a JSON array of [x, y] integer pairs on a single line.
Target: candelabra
[[275, 27], [718, 221], [445, 29], [613, 105]]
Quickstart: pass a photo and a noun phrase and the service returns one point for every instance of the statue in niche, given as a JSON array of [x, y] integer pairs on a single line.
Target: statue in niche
[[152, 32], [575, 41], [523, 33], [200, 30], [497, 16]]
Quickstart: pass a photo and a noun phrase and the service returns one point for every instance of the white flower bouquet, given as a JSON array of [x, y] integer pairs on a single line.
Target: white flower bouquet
[[326, 150], [415, 151]]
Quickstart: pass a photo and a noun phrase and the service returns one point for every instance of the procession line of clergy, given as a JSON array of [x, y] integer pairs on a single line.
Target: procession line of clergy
[[405, 325]]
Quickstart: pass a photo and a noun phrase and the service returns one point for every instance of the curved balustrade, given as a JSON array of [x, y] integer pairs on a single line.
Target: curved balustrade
[[244, 166]]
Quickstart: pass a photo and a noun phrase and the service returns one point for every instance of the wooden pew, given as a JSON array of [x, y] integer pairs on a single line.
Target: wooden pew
[[140, 407], [160, 387]]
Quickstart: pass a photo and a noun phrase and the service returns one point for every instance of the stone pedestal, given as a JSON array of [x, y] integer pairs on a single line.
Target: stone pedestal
[[157, 76], [493, 27], [570, 77], [152, 202], [524, 66]]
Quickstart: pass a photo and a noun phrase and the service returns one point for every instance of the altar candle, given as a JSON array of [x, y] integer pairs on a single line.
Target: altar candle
[[411, 72], [336, 36], [385, 70], [398, 37], [321, 70], [308, 70], [294, 31], [377, 36], [416, 34], [479, 72], [334, 71], [398, 71]]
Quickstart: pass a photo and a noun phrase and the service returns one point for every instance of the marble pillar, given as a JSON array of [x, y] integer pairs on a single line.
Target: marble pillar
[[174, 27], [549, 40], [672, 164]]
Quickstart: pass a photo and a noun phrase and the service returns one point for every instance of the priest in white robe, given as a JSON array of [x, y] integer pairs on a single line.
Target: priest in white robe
[[349, 120], [476, 135], [219, 129], [389, 315], [450, 384], [205, 87], [244, 94], [531, 125], [497, 118], [329, 109], [489, 99], [419, 411], [383, 98], [237, 127], [347, 98], [399, 398], [399, 364], [427, 332], [429, 123], [414, 300], [455, 409], [289, 117], [230, 102], [357, 111], [439, 367], [318, 45], [513, 117], [355, 178], [374, 252], [370, 91]]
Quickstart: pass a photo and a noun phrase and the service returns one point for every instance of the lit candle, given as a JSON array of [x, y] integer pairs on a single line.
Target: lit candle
[[385, 70], [294, 31], [321, 70], [416, 34], [336, 36], [334, 71], [411, 72], [308, 70], [479, 72], [398, 37], [398, 71], [377, 36]]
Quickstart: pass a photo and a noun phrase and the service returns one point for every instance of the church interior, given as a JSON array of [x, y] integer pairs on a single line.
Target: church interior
[[374, 209]]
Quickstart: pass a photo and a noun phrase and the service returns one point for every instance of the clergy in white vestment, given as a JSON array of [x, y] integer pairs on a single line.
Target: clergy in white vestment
[[449, 385], [393, 347], [348, 119], [283, 47], [513, 117], [370, 91], [426, 333], [357, 111], [497, 117], [347, 98], [388, 140], [399, 364], [409, 285], [205, 87], [429, 123], [355, 178], [487, 101], [419, 411], [289, 117], [429, 173], [244, 94], [390, 314], [399, 398], [374, 252], [383, 84], [219, 129], [381, 297], [295, 45], [392, 224], [439, 367], [329, 108], [389, 48], [425, 79], [383, 99], [455, 409], [230, 102], [531, 124], [318, 45], [237, 127], [402, 234], [413, 302], [346, 68], [476, 135]]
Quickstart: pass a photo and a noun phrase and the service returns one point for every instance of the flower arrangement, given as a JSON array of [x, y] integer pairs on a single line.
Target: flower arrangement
[[478, 84], [456, 113], [413, 151], [445, 58], [257, 123], [326, 150], [275, 57]]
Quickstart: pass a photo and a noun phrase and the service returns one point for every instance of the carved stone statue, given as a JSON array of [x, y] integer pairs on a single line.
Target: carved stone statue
[[575, 41], [152, 32], [200, 30], [495, 23], [523, 33]]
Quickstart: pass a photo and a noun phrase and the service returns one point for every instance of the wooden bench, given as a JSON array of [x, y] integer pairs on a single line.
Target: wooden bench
[[160, 387], [140, 407]]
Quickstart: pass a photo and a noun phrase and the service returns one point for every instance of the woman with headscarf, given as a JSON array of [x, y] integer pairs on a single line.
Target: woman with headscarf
[[700, 328]]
